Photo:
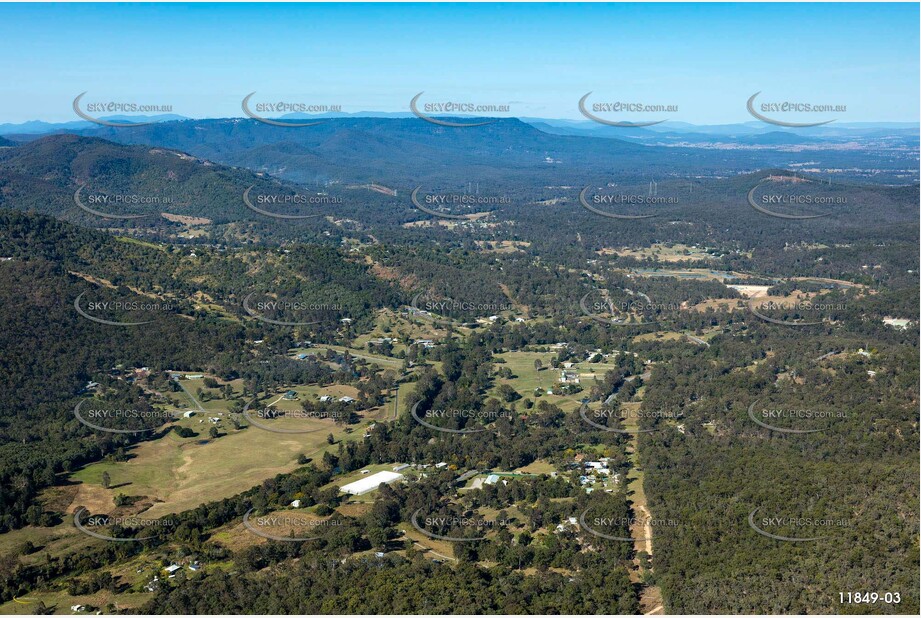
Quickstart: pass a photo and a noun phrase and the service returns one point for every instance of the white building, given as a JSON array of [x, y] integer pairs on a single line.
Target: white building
[[370, 483]]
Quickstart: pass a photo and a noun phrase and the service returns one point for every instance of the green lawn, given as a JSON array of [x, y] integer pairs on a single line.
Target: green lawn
[[527, 378]]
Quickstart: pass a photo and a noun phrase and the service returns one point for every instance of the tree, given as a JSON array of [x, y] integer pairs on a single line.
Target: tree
[[106, 480]]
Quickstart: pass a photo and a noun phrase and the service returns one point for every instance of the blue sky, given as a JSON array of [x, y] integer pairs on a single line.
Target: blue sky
[[537, 58]]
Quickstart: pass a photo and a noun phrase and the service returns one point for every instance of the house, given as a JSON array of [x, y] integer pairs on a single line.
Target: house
[[90, 386], [77, 608], [519, 320], [399, 467], [425, 343], [441, 464], [897, 323], [346, 320], [172, 568], [214, 419], [346, 399], [492, 479], [871, 373], [302, 356], [290, 395], [188, 414], [569, 377], [296, 504], [325, 398]]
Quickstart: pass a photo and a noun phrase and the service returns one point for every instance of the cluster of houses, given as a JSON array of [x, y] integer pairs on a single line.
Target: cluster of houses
[[569, 524], [128, 375], [171, 571], [595, 472]]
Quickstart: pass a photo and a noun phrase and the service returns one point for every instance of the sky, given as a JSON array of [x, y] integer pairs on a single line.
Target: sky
[[539, 59]]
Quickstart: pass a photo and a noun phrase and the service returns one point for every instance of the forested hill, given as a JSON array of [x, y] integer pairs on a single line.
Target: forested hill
[[50, 351], [157, 185], [413, 151]]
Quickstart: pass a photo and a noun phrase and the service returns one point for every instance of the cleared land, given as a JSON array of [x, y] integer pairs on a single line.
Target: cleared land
[[178, 474]]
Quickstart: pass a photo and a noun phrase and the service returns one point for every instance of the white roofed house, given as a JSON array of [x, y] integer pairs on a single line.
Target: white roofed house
[[569, 377]]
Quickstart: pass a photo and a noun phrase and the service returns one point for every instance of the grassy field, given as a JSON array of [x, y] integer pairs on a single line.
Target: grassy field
[[61, 601], [661, 253], [539, 466], [181, 473], [659, 336], [528, 378], [397, 326]]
